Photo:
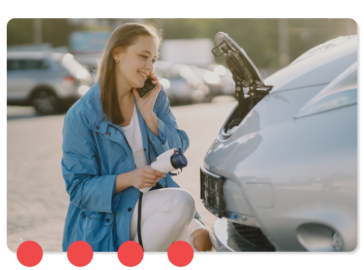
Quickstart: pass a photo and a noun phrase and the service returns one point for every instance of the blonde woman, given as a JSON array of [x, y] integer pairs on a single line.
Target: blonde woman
[[110, 137]]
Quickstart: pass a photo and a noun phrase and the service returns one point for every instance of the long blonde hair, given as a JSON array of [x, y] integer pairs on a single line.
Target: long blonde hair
[[121, 38]]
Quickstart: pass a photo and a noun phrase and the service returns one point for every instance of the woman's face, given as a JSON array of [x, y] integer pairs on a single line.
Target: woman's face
[[136, 62]]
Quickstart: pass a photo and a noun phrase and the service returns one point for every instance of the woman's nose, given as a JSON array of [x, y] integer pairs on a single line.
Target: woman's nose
[[149, 65]]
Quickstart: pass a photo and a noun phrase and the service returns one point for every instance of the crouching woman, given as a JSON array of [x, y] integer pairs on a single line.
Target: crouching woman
[[110, 137]]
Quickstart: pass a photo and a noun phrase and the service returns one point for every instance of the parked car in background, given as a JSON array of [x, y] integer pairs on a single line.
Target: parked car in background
[[181, 83], [211, 80], [281, 174], [51, 82], [226, 83], [90, 62]]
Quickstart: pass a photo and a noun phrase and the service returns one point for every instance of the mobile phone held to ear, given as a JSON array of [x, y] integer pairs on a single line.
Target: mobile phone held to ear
[[147, 88]]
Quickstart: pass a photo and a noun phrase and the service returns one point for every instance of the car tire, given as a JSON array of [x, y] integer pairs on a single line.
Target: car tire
[[45, 102], [63, 109]]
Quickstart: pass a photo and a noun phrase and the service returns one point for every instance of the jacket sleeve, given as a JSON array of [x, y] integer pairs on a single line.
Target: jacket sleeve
[[87, 189], [170, 135]]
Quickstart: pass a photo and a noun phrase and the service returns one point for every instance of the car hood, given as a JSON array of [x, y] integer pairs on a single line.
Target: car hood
[[243, 69], [318, 66]]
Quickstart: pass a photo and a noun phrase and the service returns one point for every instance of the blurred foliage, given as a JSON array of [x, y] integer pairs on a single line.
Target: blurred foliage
[[96, 28], [19, 31], [54, 31], [258, 37]]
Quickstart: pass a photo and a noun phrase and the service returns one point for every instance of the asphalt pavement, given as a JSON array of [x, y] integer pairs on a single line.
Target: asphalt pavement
[[37, 201]]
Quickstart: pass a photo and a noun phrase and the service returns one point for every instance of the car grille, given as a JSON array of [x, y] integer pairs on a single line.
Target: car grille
[[254, 236], [211, 188]]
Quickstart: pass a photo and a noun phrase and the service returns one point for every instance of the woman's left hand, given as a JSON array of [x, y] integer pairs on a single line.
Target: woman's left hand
[[146, 104]]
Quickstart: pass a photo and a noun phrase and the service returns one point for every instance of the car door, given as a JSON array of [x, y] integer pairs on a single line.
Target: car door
[[16, 82], [22, 77], [18, 79]]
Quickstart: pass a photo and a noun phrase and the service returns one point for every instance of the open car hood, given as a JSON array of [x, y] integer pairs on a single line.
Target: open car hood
[[239, 63], [249, 85]]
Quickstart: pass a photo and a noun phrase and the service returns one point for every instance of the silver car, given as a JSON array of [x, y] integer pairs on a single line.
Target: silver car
[[51, 82], [281, 174], [181, 83]]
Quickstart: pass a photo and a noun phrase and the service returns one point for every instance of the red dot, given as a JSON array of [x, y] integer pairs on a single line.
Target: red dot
[[29, 253], [130, 253], [180, 253], [80, 253]]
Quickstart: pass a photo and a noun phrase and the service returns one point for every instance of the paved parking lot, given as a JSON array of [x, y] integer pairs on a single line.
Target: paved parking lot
[[36, 197]]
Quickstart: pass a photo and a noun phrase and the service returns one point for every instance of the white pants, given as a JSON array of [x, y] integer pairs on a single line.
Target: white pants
[[167, 216]]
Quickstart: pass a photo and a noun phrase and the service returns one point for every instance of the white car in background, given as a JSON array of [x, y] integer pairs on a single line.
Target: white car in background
[[180, 83], [51, 82], [281, 174]]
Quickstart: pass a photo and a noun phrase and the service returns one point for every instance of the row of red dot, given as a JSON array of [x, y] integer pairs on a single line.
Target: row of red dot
[[80, 253]]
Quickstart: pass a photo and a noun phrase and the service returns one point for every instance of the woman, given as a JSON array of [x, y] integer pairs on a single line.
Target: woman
[[110, 137]]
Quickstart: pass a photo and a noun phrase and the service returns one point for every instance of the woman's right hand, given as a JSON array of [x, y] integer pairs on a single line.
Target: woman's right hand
[[145, 177]]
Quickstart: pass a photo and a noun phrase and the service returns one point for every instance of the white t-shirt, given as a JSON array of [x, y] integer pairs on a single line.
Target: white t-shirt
[[134, 137]]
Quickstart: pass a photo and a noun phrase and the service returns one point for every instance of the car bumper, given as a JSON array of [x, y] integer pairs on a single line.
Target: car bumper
[[227, 236]]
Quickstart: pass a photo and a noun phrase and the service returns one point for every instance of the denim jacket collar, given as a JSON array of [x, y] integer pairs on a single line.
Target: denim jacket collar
[[99, 121]]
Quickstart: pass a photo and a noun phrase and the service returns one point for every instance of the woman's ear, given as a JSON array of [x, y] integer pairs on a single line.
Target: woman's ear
[[117, 52]]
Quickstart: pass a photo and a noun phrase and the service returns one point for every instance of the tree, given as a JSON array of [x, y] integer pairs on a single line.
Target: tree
[[19, 31], [54, 31]]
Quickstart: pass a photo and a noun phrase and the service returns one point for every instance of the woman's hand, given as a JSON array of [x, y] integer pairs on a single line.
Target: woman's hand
[[145, 177], [146, 104]]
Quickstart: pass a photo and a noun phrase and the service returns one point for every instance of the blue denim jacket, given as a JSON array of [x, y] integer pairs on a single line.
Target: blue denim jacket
[[95, 151]]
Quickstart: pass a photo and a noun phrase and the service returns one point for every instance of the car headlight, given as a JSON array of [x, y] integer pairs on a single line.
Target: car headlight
[[342, 91]]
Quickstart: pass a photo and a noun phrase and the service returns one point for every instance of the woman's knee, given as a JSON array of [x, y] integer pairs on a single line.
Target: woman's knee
[[201, 240], [185, 200], [182, 201]]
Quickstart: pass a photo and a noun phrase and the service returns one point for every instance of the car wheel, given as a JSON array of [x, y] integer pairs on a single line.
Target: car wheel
[[45, 102], [64, 106]]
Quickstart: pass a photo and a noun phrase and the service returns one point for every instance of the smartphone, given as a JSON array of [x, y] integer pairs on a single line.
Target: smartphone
[[147, 88]]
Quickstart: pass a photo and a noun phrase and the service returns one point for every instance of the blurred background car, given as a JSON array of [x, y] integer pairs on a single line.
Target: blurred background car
[[281, 174], [187, 84], [217, 79], [51, 82], [208, 80], [178, 83], [91, 64], [226, 82]]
